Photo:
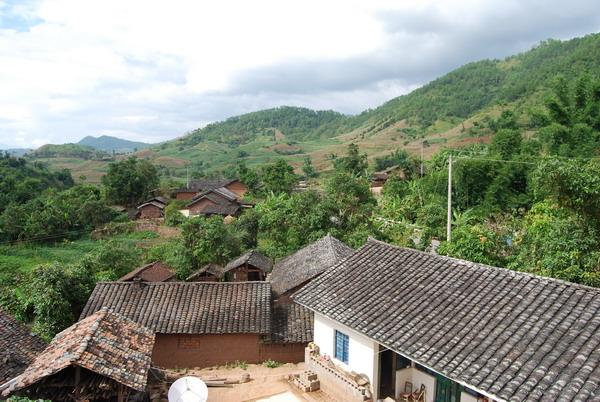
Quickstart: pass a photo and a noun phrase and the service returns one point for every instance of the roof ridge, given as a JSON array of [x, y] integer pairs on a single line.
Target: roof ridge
[[472, 264], [182, 283], [93, 328]]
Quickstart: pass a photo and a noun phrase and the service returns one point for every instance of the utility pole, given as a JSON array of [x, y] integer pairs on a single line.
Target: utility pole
[[449, 226], [187, 174], [422, 142]]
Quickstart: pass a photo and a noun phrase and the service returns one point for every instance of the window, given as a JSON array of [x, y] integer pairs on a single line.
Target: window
[[341, 346]]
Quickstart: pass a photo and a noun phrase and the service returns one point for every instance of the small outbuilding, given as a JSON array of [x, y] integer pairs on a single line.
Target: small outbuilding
[[153, 208], [156, 271], [104, 357], [208, 273], [18, 347], [250, 266]]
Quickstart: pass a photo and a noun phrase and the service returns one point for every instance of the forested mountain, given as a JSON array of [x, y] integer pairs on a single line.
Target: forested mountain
[[449, 112], [111, 144]]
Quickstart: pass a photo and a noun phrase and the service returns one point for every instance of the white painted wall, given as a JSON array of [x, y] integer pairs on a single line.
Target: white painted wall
[[464, 397], [363, 356], [417, 377]]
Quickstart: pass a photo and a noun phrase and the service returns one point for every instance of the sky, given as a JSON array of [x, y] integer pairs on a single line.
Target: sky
[[151, 71]]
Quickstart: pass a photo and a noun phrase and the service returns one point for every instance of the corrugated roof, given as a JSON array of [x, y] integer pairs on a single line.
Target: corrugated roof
[[307, 263], [188, 307], [18, 347], [512, 335], [205, 184], [105, 343]]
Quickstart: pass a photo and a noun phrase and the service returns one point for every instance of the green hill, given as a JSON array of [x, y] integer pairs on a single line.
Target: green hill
[[67, 151], [110, 144], [451, 111]]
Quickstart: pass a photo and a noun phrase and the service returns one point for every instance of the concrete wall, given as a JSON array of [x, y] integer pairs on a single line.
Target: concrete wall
[[416, 377], [363, 356], [464, 397]]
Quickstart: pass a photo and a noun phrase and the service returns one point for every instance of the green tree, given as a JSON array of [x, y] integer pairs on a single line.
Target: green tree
[[278, 177], [308, 169], [353, 163], [129, 181], [210, 240]]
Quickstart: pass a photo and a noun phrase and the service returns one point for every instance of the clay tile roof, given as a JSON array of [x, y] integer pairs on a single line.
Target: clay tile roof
[[307, 263], [291, 323], [105, 343], [510, 334], [18, 347], [252, 257], [154, 272], [213, 269], [188, 307]]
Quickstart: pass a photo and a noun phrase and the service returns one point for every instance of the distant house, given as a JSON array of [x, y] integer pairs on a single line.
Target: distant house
[[152, 209], [389, 320], [103, 357], [296, 270], [154, 272], [201, 324], [378, 179], [208, 273], [250, 266], [198, 186], [219, 201], [18, 347]]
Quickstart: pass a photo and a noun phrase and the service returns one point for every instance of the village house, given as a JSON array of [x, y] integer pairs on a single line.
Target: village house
[[156, 271], [219, 201], [378, 179], [202, 324], [195, 187], [389, 321], [296, 270], [209, 273], [102, 357], [250, 266], [153, 208], [18, 347]]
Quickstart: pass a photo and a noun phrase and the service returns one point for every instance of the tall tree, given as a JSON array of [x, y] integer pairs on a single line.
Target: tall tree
[[129, 181]]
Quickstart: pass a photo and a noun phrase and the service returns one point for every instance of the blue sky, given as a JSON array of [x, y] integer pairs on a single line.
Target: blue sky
[[150, 71]]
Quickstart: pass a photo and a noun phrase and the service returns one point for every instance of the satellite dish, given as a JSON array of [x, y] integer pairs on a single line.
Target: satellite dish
[[188, 389]]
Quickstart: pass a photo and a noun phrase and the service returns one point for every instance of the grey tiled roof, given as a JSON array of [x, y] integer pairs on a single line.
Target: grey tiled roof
[[252, 257], [291, 323], [105, 343], [18, 347], [512, 335], [305, 264], [188, 307], [206, 184], [211, 268]]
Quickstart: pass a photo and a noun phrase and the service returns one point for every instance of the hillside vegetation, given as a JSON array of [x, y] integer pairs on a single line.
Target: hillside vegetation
[[450, 112], [111, 144]]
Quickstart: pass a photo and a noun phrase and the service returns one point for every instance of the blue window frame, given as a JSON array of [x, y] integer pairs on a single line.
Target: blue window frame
[[341, 346]]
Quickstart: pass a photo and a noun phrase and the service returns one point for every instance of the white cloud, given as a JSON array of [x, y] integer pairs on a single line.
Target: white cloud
[[151, 70]]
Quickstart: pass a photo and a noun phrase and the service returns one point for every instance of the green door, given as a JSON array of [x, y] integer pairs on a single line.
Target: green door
[[446, 390]]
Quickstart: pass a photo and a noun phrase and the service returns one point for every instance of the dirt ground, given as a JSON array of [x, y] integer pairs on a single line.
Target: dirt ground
[[265, 385]]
